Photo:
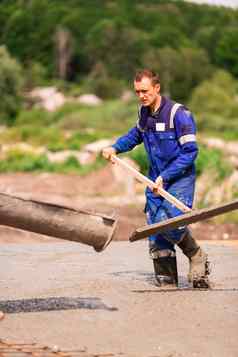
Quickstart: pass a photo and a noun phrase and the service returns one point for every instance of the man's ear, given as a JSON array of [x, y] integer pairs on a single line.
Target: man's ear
[[157, 87]]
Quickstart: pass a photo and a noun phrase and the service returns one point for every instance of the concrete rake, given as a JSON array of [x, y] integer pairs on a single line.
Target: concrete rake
[[189, 215]]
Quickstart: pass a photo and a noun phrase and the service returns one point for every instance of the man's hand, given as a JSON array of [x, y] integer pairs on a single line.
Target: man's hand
[[108, 152], [159, 184]]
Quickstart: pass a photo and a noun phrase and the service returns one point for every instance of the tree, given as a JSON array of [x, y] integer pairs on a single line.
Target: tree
[[180, 70], [214, 103], [11, 86], [192, 67], [64, 51], [167, 35], [29, 32], [227, 51], [117, 46], [163, 61], [207, 38], [102, 84]]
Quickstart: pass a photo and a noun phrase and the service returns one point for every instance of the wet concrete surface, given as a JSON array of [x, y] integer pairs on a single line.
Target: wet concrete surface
[[52, 304], [106, 303]]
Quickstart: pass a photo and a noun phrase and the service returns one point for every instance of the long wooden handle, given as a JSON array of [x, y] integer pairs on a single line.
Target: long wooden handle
[[173, 200]]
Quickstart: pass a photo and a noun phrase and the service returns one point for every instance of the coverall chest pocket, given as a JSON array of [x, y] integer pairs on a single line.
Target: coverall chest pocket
[[167, 144]]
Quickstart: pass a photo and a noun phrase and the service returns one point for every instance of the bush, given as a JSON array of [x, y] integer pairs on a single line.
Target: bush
[[103, 85], [140, 157], [215, 105], [208, 160], [51, 137], [212, 160], [113, 117], [26, 162], [20, 161], [78, 139], [37, 136], [35, 74], [11, 85], [35, 116]]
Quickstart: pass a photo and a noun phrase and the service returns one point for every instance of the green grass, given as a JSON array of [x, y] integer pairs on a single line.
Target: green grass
[[210, 160], [18, 161], [75, 125], [228, 135], [34, 135], [72, 126], [110, 118]]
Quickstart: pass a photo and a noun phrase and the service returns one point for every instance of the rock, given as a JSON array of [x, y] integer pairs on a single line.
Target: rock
[[55, 348], [49, 98], [23, 147], [225, 236], [214, 143], [86, 158], [89, 99], [97, 146], [61, 156], [234, 161], [3, 128], [127, 96]]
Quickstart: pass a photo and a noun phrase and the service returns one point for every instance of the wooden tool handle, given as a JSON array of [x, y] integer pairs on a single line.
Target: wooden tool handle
[[170, 198]]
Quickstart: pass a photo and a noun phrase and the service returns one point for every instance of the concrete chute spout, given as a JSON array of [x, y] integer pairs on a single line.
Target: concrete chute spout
[[57, 221]]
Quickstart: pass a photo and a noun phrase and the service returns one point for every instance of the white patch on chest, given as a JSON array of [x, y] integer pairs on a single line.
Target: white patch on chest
[[160, 126]]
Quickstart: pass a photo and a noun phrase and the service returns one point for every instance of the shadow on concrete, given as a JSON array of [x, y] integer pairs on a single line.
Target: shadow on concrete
[[149, 278], [178, 289], [137, 275]]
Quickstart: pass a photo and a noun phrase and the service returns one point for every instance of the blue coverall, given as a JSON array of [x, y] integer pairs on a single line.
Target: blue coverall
[[170, 142]]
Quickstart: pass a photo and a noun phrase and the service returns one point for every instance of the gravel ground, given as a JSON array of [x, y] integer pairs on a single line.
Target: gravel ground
[[106, 303]]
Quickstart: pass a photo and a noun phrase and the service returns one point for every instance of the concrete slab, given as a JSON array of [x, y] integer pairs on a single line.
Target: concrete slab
[[68, 295]]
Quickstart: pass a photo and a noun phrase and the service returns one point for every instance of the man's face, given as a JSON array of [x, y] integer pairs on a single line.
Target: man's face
[[146, 91]]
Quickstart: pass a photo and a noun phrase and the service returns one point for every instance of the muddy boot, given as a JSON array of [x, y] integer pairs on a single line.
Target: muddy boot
[[165, 266], [199, 270], [198, 262]]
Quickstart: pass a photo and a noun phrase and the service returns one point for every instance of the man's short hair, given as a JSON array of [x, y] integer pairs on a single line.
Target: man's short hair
[[149, 74]]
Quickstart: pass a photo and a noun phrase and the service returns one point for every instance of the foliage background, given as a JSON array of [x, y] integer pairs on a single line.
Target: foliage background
[[96, 46], [109, 39]]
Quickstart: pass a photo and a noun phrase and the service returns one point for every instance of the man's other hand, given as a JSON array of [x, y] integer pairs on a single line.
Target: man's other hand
[[158, 184], [108, 152]]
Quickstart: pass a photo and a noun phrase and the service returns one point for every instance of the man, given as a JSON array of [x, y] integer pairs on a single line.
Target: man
[[168, 132]]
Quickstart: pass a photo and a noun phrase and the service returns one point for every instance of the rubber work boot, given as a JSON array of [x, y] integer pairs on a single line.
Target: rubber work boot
[[198, 262], [165, 266], [199, 270]]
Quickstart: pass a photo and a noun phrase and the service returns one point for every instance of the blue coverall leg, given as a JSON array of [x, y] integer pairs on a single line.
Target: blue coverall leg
[[159, 209]]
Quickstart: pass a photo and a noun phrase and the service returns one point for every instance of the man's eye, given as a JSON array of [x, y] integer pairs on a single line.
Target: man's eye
[[143, 91]]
